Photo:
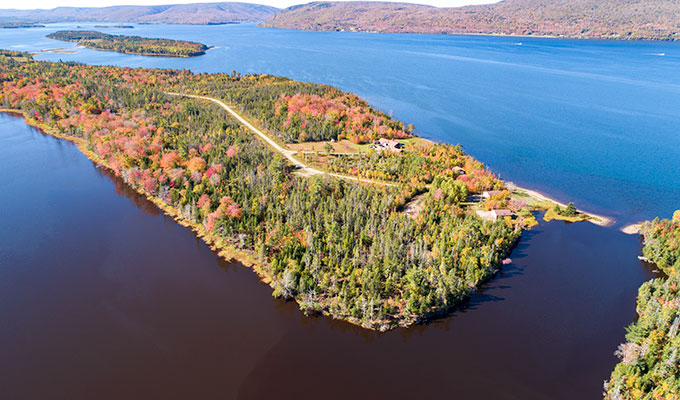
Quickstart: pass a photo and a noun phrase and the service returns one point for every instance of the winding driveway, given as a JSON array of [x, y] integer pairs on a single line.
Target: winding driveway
[[303, 169]]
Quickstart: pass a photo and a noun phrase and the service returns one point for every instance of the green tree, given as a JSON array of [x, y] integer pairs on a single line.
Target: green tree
[[570, 211]]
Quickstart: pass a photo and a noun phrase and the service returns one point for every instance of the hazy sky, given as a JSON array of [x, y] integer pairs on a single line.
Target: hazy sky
[[30, 4]]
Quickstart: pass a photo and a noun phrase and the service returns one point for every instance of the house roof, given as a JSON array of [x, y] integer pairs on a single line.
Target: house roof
[[388, 142], [502, 213]]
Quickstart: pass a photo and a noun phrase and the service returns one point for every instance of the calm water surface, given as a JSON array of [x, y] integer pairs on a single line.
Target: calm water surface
[[101, 296]]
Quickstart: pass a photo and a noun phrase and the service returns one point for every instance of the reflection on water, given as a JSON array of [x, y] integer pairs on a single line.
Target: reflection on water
[[124, 190], [103, 296]]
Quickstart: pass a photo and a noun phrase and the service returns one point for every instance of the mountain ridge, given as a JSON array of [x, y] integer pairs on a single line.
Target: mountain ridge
[[194, 13], [601, 19]]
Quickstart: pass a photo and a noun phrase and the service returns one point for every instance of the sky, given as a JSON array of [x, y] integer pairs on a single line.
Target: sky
[[46, 4]]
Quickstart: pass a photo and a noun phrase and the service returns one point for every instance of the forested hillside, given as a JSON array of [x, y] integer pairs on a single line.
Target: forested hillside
[[336, 246], [608, 19], [198, 13], [650, 360]]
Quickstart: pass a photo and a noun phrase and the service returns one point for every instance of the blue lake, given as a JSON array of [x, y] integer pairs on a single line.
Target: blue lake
[[594, 122]]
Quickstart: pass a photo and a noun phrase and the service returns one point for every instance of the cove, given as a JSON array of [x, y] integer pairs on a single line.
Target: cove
[[101, 295]]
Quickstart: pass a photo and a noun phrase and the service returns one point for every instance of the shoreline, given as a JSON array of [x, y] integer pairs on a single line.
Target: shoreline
[[202, 53], [596, 219], [224, 250], [632, 229], [220, 246], [61, 50], [247, 257], [228, 248], [593, 218]]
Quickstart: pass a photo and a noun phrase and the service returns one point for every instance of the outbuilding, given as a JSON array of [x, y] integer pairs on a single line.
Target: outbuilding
[[495, 214]]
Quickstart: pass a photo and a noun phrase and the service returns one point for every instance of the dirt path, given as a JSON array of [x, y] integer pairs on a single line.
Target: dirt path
[[303, 169]]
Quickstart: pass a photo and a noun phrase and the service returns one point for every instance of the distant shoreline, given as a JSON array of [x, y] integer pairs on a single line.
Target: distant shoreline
[[504, 35], [569, 19]]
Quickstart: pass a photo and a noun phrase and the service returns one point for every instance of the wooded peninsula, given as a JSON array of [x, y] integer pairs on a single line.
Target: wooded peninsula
[[131, 44], [336, 245]]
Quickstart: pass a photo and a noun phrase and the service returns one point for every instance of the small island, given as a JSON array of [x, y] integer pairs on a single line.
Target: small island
[[114, 26], [131, 44], [18, 24]]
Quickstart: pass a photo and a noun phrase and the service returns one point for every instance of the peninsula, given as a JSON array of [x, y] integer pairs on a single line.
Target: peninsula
[[131, 44], [332, 202], [369, 246]]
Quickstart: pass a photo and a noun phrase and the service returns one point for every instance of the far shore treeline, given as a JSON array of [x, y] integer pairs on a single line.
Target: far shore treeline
[[584, 19]]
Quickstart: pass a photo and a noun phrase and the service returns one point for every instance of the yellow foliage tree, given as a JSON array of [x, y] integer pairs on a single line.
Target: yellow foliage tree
[[196, 164]]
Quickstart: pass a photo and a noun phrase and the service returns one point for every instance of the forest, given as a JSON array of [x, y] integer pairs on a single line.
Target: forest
[[337, 247], [131, 44], [650, 359]]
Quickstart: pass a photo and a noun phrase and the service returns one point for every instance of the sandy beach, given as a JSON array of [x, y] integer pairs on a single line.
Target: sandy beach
[[595, 218]]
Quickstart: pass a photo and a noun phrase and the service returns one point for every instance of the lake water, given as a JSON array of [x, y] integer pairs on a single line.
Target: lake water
[[594, 122], [102, 296]]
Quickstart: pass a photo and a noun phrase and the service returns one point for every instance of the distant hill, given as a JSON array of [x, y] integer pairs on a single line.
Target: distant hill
[[609, 19], [198, 13]]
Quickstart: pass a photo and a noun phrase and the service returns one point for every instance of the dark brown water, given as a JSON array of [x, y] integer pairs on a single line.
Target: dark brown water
[[102, 296]]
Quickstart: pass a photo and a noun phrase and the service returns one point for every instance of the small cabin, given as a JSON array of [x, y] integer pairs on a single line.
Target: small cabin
[[459, 170], [496, 214]]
